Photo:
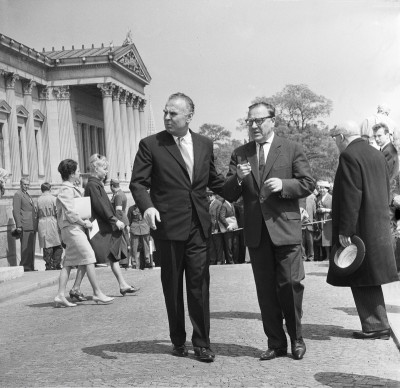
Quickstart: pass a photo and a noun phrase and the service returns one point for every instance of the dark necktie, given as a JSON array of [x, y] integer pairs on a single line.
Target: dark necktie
[[261, 159]]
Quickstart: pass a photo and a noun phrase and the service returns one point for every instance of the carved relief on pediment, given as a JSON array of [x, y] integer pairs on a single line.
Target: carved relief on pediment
[[131, 62]]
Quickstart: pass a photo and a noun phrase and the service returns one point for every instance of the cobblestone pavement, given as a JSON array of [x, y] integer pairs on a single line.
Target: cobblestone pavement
[[127, 343]]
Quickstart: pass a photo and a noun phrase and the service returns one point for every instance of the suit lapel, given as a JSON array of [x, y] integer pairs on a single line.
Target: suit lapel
[[171, 146], [273, 153], [251, 154]]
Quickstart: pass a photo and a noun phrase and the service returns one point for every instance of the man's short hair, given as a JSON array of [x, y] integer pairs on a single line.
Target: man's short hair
[[25, 180], [270, 107], [189, 101], [46, 186], [378, 126]]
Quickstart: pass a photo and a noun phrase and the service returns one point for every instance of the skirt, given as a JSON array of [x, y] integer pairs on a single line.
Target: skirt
[[78, 250]]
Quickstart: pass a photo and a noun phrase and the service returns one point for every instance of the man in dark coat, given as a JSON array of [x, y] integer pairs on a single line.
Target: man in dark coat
[[271, 174], [361, 207], [177, 165], [26, 221]]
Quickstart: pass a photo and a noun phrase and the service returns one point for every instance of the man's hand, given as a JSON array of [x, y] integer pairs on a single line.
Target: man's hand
[[120, 225], [230, 228], [344, 241], [243, 170], [274, 184], [88, 224], [151, 215]]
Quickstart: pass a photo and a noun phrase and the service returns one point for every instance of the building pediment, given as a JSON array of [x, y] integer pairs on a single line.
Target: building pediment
[[22, 112], [38, 115], [4, 107], [130, 58]]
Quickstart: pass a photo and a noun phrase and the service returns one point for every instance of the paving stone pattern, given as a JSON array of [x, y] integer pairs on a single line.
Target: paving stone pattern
[[127, 343]]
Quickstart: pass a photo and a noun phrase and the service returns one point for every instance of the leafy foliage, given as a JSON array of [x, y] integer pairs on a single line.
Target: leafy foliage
[[215, 132]]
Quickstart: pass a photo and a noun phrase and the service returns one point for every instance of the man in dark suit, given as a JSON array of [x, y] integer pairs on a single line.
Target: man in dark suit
[[360, 207], [272, 173], [382, 139], [25, 216], [177, 165], [216, 243]]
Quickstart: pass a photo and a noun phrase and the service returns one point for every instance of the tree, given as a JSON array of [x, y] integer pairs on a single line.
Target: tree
[[299, 106], [217, 133]]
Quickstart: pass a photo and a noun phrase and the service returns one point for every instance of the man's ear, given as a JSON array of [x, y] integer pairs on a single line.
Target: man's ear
[[189, 117]]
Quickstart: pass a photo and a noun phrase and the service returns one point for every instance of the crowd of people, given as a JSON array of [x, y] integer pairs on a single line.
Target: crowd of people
[[269, 202]]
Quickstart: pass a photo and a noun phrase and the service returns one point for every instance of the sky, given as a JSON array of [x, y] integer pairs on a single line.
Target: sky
[[224, 53]]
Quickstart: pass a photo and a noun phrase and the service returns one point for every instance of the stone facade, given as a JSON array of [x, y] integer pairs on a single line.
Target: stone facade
[[66, 104]]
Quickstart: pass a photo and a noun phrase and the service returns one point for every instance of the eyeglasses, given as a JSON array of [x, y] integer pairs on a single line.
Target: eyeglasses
[[258, 120]]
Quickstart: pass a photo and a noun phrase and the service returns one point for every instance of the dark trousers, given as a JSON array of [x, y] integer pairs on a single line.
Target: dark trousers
[[241, 248], [309, 242], [278, 271], [52, 257], [216, 248], [371, 308], [28, 242], [192, 258], [228, 247]]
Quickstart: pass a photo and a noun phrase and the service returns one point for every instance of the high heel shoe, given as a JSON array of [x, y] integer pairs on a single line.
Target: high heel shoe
[[130, 290], [106, 300], [63, 302], [77, 295]]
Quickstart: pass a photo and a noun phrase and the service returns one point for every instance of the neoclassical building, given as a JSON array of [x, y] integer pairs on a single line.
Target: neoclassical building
[[66, 104]]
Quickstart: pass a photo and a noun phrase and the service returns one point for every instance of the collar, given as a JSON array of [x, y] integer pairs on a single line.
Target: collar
[[187, 137], [385, 145], [269, 141]]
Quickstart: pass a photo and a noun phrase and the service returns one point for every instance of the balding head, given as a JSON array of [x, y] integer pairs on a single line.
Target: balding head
[[345, 133]]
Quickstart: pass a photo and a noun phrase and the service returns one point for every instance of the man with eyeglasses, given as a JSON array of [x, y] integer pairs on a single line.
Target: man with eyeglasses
[[271, 174], [26, 222], [177, 165]]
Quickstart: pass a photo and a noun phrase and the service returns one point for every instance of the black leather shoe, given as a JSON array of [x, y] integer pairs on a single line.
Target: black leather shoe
[[180, 351], [298, 349], [270, 354], [379, 334], [77, 295], [204, 354]]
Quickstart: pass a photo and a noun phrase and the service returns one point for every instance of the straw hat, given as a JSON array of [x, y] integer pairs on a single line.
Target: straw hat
[[345, 261]]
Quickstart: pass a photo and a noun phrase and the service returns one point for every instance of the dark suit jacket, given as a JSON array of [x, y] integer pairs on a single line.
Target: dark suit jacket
[[287, 161], [159, 166], [392, 159], [24, 211], [360, 206], [226, 211]]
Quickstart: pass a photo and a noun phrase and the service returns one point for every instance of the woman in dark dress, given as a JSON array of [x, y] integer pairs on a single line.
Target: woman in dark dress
[[109, 244]]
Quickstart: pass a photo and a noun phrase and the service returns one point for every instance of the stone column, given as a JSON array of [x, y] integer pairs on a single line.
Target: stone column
[[136, 120], [109, 132], [51, 135], [125, 136], [143, 127], [131, 128], [39, 143], [118, 132], [32, 151], [13, 129]]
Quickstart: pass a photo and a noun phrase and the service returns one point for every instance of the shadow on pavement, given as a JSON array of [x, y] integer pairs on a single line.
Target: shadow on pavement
[[165, 347], [337, 379], [347, 310], [317, 274], [310, 331]]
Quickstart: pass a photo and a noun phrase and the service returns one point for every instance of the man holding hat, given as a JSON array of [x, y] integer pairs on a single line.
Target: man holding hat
[[361, 207]]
